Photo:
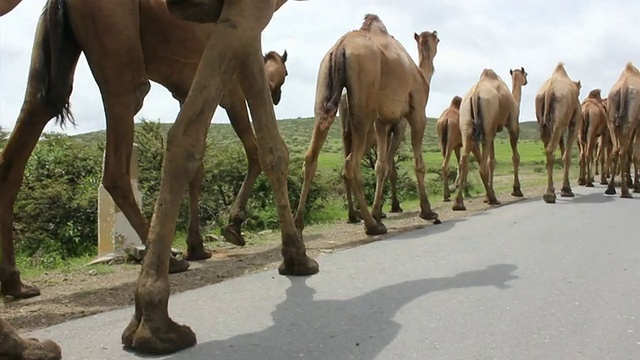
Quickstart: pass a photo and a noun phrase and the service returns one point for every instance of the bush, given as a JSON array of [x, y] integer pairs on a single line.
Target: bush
[[56, 209]]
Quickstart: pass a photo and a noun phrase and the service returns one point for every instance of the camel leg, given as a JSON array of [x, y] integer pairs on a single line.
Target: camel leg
[[486, 170], [310, 166], [446, 193], [463, 172], [37, 109], [123, 85], [381, 168], [514, 135], [624, 170], [12, 346], [195, 243], [582, 164], [274, 159], [418, 122], [353, 216], [394, 146], [566, 191], [550, 139], [636, 162], [589, 156], [601, 161], [235, 104]]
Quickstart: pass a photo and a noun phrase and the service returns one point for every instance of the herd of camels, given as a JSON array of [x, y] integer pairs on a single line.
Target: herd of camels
[[167, 40]]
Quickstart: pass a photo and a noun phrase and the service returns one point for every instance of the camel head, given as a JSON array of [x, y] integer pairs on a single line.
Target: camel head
[[519, 75], [455, 102], [595, 94], [427, 44], [578, 85], [276, 69]]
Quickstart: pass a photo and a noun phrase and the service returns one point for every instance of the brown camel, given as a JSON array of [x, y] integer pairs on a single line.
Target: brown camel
[[450, 141], [383, 86], [234, 48], [486, 109], [168, 52], [428, 49], [603, 157], [624, 124], [558, 109], [594, 125]]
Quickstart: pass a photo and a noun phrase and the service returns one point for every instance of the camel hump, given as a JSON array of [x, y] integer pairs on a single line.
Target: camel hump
[[595, 94], [631, 68], [489, 73], [560, 70], [455, 102], [373, 23]]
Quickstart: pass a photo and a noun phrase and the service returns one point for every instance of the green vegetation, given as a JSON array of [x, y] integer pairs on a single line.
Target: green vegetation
[[56, 216]]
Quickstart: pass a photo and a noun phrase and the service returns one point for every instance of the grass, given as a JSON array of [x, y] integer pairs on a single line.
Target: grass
[[297, 134]]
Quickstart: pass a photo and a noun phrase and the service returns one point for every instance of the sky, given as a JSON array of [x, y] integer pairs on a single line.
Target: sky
[[595, 39]]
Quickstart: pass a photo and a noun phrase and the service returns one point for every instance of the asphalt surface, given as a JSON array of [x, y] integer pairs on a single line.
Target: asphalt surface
[[524, 281]]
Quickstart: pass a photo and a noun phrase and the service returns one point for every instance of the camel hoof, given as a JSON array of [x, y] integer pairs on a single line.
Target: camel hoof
[[33, 349], [383, 215], [517, 193], [581, 182], [446, 199], [430, 215], [305, 267], [396, 209], [610, 191], [626, 196], [162, 336], [604, 182], [458, 207], [494, 202], [566, 193], [636, 190], [437, 222], [233, 235], [13, 288], [352, 219], [549, 198], [377, 229], [197, 254], [589, 184], [177, 265]]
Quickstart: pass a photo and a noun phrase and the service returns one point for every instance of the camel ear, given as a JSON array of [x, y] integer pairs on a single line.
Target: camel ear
[[416, 36], [435, 32], [510, 71], [284, 56], [522, 69]]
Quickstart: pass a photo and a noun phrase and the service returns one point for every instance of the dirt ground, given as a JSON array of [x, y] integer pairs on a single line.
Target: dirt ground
[[82, 293]]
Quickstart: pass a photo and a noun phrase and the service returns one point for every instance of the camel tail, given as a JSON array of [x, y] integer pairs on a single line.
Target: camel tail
[[335, 82], [476, 119], [444, 136], [585, 126], [547, 111], [620, 106], [54, 59]]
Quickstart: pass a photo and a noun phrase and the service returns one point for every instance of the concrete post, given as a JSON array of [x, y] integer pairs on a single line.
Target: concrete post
[[115, 234]]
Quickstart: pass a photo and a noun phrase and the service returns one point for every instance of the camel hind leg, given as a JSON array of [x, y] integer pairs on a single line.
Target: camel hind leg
[[572, 133], [381, 167], [353, 216], [117, 64], [37, 109], [514, 135], [398, 132], [636, 161], [446, 193], [417, 122]]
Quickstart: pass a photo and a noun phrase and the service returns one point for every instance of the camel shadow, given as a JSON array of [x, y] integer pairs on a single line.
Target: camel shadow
[[357, 328], [595, 198]]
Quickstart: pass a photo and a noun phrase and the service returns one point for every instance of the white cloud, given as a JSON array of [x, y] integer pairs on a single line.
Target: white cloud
[[593, 38]]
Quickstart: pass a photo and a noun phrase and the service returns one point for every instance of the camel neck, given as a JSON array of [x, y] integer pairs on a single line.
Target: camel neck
[[516, 91], [426, 64]]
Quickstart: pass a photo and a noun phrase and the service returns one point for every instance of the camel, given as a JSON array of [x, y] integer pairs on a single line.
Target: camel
[[485, 110], [558, 109], [168, 52], [594, 125], [624, 125], [396, 132], [383, 86]]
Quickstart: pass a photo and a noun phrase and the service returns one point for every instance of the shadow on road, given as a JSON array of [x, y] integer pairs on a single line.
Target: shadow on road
[[358, 328]]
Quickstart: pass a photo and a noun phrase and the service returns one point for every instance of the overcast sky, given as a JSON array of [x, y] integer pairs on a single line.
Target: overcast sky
[[593, 38]]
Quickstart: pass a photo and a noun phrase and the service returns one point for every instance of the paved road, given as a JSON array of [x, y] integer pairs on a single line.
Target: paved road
[[525, 281]]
